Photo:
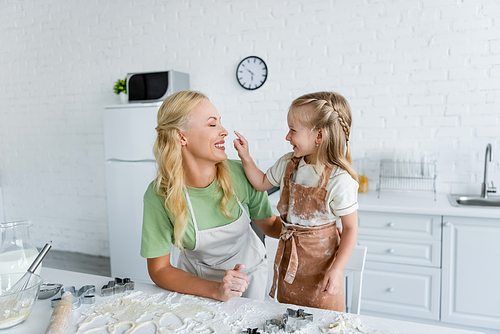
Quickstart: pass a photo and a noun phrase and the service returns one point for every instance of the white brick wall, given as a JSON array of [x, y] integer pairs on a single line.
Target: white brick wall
[[422, 78]]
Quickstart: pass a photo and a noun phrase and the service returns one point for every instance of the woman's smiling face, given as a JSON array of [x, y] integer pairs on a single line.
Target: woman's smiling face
[[204, 139]]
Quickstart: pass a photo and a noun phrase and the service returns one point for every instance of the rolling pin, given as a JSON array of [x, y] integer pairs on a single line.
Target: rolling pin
[[60, 316]]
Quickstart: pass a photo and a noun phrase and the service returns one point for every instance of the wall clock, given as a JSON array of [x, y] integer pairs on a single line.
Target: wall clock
[[251, 73]]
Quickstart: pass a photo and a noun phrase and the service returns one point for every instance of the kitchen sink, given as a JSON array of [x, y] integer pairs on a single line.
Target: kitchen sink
[[474, 200]]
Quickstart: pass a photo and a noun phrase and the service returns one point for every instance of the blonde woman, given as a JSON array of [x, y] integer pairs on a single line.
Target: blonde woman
[[202, 203], [318, 186]]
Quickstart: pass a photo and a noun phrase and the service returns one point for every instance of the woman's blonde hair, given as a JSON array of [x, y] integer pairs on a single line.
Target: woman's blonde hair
[[330, 112], [173, 117]]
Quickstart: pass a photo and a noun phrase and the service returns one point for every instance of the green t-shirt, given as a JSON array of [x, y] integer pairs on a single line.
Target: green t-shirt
[[157, 224]]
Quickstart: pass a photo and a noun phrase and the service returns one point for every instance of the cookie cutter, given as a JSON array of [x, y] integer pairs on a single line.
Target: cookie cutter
[[117, 286], [84, 295], [49, 290], [300, 319], [300, 314], [274, 326], [251, 331]]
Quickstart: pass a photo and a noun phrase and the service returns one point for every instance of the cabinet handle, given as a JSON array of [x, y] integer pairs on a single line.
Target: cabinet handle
[[390, 290], [391, 224], [391, 250], [447, 224]]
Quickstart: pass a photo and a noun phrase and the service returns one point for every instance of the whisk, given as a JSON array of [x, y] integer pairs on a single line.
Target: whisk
[[23, 282]]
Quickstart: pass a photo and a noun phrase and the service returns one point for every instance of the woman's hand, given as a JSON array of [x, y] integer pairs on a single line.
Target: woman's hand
[[332, 282], [241, 146], [170, 278], [233, 284]]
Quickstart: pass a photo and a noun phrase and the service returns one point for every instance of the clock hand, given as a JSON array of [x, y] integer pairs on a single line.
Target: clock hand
[[250, 71]]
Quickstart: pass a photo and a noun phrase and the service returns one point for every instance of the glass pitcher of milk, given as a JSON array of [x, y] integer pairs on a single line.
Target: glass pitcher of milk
[[17, 252]]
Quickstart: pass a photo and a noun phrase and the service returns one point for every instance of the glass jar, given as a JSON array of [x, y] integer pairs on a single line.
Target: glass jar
[[17, 251]]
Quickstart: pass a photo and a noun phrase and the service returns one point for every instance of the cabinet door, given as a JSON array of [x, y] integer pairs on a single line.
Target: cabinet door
[[404, 251], [471, 271], [402, 290], [397, 225]]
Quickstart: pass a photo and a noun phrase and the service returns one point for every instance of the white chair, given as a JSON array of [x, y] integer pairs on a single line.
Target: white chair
[[353, 275]]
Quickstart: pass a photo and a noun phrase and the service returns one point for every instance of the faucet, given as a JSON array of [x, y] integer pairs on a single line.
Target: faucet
[[484, 187]]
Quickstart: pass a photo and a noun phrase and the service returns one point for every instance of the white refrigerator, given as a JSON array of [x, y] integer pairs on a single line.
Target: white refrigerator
[[129, 135]]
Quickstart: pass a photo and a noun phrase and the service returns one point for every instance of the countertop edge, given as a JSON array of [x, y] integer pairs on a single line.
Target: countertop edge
[[420, 203], [413, 203]]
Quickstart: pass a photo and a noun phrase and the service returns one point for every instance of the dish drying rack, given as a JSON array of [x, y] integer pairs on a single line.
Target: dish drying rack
[[407, 176]]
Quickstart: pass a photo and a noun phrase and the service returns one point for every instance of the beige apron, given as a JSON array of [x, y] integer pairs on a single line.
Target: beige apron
[[305, 253], [221, 248]]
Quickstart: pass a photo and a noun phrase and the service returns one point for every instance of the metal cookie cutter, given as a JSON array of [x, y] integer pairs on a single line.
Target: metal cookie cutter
[[292, 321], [85, 295], [251, 331], [117, 286], [299, 314], [274, 325]]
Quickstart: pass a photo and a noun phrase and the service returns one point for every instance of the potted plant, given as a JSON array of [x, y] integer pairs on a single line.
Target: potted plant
[[120, 88]]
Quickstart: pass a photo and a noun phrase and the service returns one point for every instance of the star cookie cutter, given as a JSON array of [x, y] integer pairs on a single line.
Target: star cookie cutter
[[117, 286], [84, 295], [292, 321]]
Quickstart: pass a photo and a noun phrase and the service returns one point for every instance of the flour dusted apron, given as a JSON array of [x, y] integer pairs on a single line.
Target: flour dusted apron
[[305, 253], [219, 249]]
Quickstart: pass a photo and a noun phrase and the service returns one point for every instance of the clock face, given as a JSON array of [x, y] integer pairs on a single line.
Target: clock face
[[251, 73]]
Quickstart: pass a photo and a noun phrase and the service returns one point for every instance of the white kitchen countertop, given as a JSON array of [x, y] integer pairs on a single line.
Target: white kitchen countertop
[[420, 203], [413, 203], [39, 318]]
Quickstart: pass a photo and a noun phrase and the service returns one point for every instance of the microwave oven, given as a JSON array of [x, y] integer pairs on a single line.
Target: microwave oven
[[155, 86]]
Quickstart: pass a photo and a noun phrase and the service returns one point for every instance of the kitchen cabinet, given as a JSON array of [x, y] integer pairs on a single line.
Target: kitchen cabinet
[[471, 271], [429, 261], [402, 273], [399, 289], [401, 238]]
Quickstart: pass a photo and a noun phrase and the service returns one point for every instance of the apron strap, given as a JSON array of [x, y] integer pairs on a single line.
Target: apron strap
[[241, 206], [192, 213], [323, 180], [293, 262], [292, 165], [190, 205]]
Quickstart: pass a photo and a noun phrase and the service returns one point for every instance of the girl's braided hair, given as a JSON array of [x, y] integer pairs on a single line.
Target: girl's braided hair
[[330, 113]]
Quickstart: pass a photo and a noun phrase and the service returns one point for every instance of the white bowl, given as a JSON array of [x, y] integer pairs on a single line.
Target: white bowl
[[15, 308]]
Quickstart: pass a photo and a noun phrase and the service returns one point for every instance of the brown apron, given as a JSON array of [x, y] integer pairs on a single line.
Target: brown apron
[[305, 253]]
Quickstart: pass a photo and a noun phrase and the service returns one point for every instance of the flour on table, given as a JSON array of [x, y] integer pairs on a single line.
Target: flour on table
[[139, 312], [142, 313], [346, 323]]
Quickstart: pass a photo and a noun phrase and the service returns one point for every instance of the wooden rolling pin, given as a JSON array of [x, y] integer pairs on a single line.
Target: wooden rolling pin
[[60, 316]]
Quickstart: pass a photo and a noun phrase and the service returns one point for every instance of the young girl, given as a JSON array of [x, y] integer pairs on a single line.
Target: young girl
[[318, 186]]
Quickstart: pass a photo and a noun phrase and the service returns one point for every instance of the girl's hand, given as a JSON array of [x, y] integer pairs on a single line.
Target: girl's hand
[[233, 284], [241, 146], [332, 282]]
